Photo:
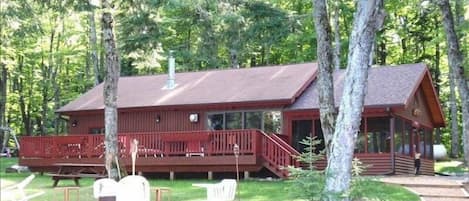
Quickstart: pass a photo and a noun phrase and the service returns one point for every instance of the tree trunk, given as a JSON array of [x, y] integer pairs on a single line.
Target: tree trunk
[[325, 80], [453, 102], [437, 80], [455, 60], [24, 108], [55, 84], [368, 19], [94, 60], [234, 58], [110, 91], [454, 117], [3, 99], [336, 35]]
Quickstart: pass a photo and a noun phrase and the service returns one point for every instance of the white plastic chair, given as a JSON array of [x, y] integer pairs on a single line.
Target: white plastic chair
[[16, 191], [105, 188], [229, 189], [223, 191], [133, 188]]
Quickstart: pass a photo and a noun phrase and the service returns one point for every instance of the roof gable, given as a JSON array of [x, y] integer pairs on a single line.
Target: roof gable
[[388, 86], [272, 83]]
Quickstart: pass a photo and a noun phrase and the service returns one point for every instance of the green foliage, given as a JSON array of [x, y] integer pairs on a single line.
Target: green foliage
[[358, 167], [308, 183]]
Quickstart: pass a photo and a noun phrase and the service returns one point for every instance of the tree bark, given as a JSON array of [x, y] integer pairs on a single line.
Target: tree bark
[[3, 98], [455, 60], [336, 35], [55, 83], [437, 80], [325, 80], [234, 58], [24, 107], [453, 102], [110, 91], [94, 60], [368, 19], [454, 117]]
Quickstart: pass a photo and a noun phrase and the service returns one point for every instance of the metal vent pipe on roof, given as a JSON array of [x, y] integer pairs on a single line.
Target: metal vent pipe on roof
[[171, 83]]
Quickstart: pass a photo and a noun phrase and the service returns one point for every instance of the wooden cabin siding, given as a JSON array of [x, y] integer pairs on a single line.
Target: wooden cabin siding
[[376, 164], [405, 165], [141, 121], [417, 102]]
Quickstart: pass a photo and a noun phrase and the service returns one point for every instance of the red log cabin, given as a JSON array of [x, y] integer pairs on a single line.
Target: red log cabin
[[192, 123]]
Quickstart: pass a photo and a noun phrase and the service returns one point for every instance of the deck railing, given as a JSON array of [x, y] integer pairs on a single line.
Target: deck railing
[[209, 143], [274, 152]]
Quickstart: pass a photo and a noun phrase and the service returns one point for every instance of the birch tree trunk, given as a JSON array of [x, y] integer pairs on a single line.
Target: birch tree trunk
[[455, 60], [325, 81], [94, 60], [110, 91], [368, 19], [336, 34]]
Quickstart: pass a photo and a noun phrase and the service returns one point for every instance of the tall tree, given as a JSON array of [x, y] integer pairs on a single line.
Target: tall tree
[[110, 91], [453, 101], [336, 25], [327, 108], [3, 77], [456, 61], [368, 18], [94, 60]]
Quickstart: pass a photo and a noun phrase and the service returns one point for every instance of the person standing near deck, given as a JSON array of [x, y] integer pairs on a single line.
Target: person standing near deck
[[417, 163]]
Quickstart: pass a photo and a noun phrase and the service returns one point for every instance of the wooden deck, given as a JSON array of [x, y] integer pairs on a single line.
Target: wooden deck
[[166, 152]]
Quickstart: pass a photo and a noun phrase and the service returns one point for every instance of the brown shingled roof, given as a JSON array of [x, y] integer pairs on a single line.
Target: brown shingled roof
[[273, 83], [388, 86]]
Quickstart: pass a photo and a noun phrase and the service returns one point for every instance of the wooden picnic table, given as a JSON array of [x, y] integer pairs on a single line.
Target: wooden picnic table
[[76, 171]]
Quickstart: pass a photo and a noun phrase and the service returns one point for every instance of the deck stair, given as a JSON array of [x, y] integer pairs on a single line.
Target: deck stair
[[277, 155], [431, 188]]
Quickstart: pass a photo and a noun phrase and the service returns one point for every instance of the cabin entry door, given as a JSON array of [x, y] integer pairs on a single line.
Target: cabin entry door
[[300, 130]]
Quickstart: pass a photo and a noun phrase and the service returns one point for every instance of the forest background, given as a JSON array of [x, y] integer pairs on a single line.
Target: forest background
[[51, 51]]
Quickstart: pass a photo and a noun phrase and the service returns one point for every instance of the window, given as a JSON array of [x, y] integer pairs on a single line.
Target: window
[[428, 144], [269, 121], [96, 131], [233, 120], [215, 121], [378, 135], [361, 139], [319, 136], [272, 122], [253, 120], [406, 141], [421, 143], [398, 127]]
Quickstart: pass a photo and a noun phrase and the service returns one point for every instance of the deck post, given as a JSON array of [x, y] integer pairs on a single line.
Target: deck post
[[210, 175], [246, 174], [171, 175]]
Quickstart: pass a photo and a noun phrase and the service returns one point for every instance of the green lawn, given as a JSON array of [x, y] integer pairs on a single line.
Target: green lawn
[[182, 190], [450, 167]]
